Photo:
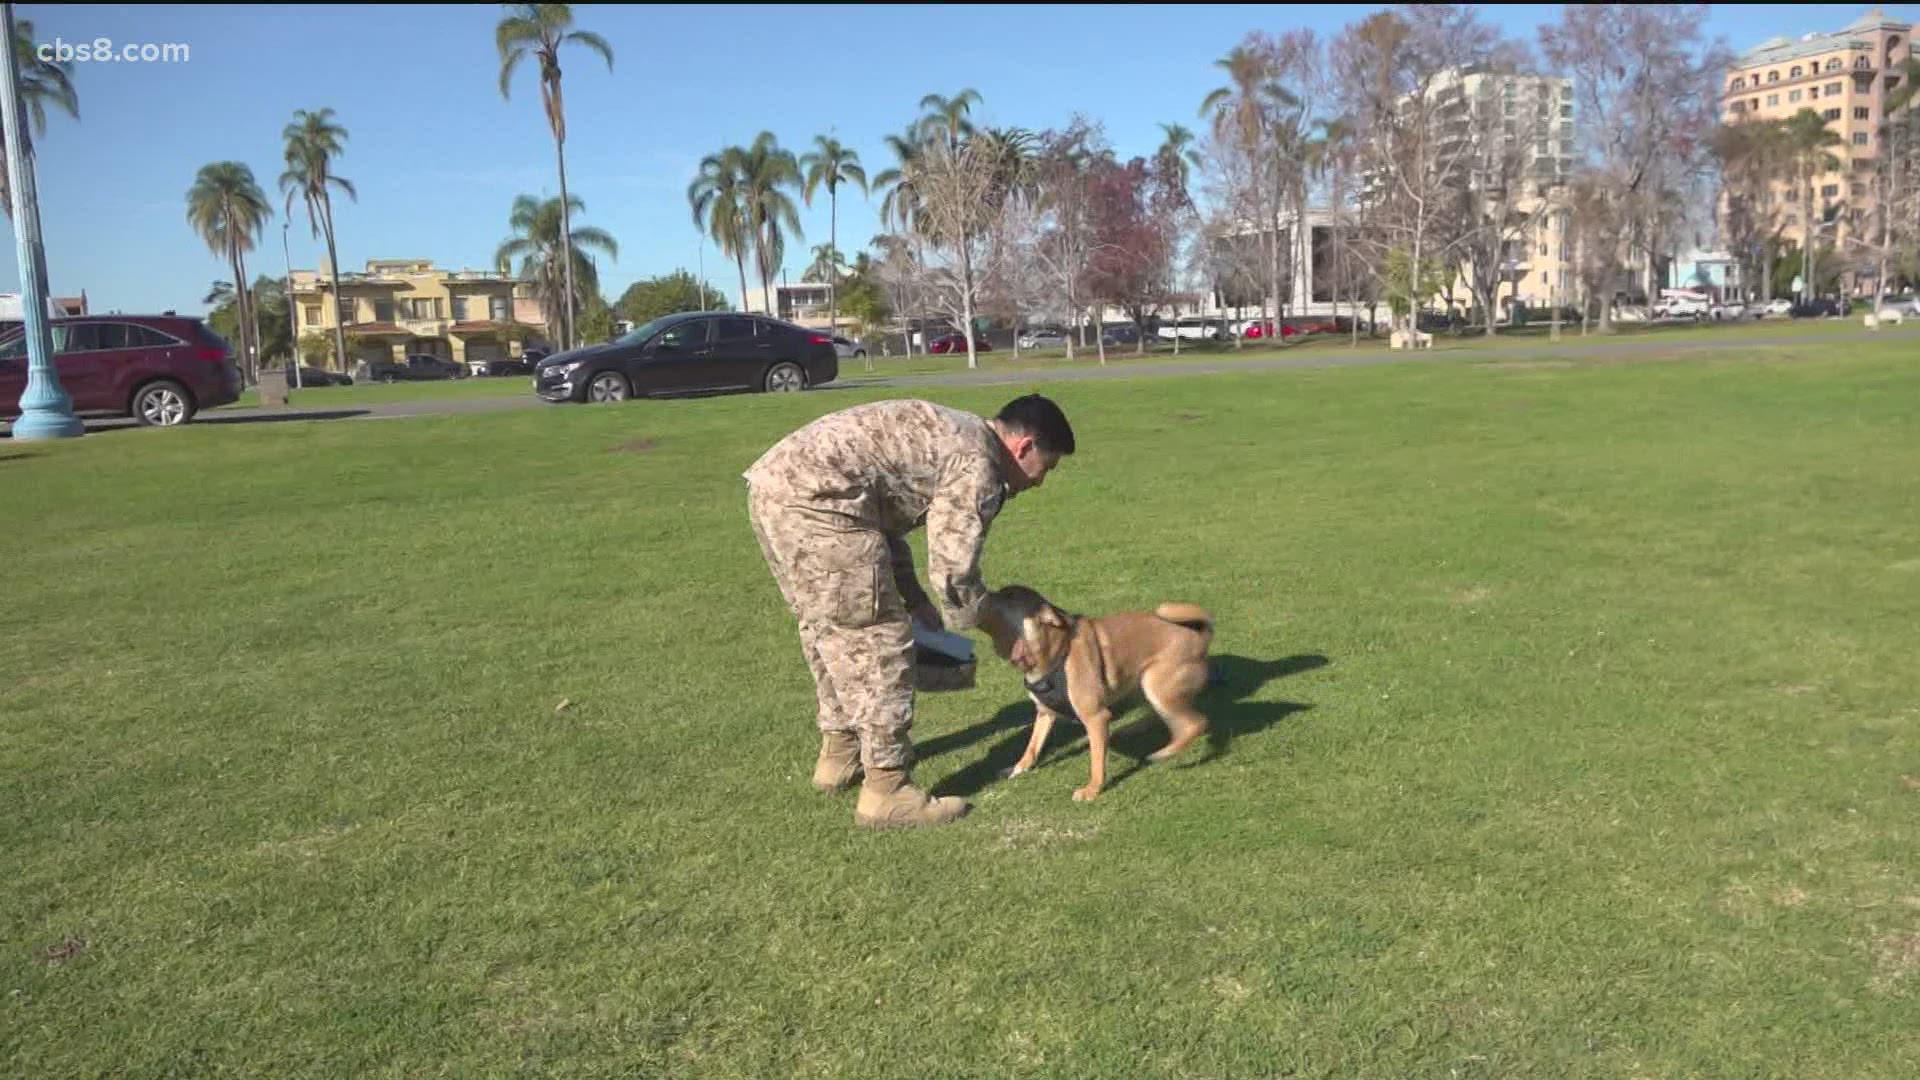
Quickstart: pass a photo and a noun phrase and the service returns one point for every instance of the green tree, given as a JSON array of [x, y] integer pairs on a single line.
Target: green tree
[[768, 171], [649, 298], [42, 83], [717, 197], [1809, 147], [538, 31], [228, 210], [830, 164], [562, 275], [596, 320], [269, 326], [827, 266], [313, 141]]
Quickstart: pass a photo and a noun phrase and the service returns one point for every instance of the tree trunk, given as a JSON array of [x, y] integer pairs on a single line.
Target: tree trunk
[[1100, 330], [833, 269], [333, 263], [740, 263], [566, 242], [1808, 255], [966, 294], [249, 326]]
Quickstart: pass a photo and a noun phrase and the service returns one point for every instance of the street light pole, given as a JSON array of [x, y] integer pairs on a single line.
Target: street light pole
[[46, 412], [293, 325]]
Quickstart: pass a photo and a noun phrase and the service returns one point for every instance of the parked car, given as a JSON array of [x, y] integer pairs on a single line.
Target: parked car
[[1042, 337], [1820, 307], [957, 343], [1120, 334], [419, 367], [1259, 328], [533, 354], [1682, 306], [522, 366], [158, 369], [1776, 308], [313, 376], [1907, 304], [848, 349], [1733, 311], [691, 352], [1194, 327]]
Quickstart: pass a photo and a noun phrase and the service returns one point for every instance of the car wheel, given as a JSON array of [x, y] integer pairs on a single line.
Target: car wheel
[[859, 354], [785, 378], [607, 386], [163, 403]]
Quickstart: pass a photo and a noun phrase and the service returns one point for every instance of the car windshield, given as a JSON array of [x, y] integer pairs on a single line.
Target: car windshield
[[642, 332]]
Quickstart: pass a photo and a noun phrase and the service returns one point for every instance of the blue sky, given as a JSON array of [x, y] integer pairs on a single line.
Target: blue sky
[[438, 156]]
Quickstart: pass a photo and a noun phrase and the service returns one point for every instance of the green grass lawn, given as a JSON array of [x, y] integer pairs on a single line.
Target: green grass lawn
[[1568, 729]]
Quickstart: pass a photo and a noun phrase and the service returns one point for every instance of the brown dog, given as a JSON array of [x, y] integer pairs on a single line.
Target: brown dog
[[1079, 666]]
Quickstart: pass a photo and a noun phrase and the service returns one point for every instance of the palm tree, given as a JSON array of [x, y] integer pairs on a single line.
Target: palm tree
[[1177, 153], [554, 267], [42, 83], [1752, 154], [538, 30], [313, 141], [767, 171], [900, 206], [1808, 141], [827, 266], [831, 164], [1896, 160], [946, 118], [1240, 113], [229, 211], [718, 199]]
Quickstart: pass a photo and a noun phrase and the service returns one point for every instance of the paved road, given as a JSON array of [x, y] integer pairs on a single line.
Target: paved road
[[1123, 367]]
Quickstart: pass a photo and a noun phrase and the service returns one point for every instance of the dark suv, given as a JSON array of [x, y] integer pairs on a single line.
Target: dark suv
[[688, 353], [158, 369]]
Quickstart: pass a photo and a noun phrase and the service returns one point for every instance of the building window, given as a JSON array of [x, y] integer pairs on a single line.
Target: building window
[[1793, 96], [1827, 192], [1860, 112], [346, 309], [1833, 89], [1833, 64], [312, 313], [1739, 84], [1859, 190], [1861, 63], [1543, 276], [1773, 76], [459, 309], [1813, 92], [1831, 114], [1753, 103], [1772, 100], [1737, 108], [1860, 138], [1794, 74], [497, 308], [383, 311]]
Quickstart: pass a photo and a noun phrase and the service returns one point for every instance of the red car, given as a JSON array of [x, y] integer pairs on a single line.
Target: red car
[[1258, 329], [957, 343], [158, 369]]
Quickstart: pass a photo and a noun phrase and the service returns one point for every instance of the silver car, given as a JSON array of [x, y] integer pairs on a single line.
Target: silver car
[[1043, 338], [848, 350]]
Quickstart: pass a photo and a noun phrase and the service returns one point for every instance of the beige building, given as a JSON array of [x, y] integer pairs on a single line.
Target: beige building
[[1845, 76], [802, 303], [397, 307]]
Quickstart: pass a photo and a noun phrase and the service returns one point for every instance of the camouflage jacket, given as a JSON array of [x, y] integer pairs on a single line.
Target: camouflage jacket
[[893, 466]]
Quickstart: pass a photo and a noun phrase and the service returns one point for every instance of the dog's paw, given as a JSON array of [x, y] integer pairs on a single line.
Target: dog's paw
[[1013, 771], [1086, 794]]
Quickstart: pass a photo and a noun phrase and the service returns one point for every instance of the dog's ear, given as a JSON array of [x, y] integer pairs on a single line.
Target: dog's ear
[[1053, 616]]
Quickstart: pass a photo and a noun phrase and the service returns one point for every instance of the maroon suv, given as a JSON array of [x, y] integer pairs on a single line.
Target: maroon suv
[[158, 369]]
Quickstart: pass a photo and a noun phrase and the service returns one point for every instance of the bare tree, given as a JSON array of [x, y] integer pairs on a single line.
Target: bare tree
[[1646, 88], [957, 182], [1066, 242], [1510, 184], [1398, 78]]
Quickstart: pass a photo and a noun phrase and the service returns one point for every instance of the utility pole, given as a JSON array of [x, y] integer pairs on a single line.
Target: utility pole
[[46, 412]]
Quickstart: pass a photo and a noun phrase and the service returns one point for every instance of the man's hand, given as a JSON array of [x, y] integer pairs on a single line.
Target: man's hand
[[928, 616]]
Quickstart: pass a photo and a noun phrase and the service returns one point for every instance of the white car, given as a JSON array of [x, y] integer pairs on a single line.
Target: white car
[[1907, 305], [1043, 338], [1733, 311], [1681, 307], [848, 350], [1192, 328], [1777, 308]]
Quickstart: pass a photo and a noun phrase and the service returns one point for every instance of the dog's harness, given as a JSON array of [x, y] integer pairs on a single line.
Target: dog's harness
[[1050, 690]]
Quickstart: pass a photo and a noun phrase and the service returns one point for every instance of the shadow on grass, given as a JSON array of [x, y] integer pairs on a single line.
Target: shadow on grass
[[1230, 715]]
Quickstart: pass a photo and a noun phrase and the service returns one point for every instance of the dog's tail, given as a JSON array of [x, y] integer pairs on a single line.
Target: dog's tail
[[1191, 616]]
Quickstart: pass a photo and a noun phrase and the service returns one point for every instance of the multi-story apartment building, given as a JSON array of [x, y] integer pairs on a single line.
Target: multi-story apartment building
[[401, 306], [1846, 77], [802, 303]]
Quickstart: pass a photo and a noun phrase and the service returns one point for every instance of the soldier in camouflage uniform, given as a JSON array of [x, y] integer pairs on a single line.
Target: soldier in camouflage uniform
[[831, 505]]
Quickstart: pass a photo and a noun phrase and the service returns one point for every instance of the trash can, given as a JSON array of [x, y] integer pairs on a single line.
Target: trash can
[[274, 383]]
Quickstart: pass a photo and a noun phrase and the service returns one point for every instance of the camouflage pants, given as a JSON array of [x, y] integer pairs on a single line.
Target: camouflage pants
[[837, 579]]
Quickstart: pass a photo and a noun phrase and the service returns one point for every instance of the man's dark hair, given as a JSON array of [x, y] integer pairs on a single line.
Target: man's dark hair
[[1041, 418]]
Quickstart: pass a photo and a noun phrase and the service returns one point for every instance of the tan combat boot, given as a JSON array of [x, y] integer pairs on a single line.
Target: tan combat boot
[[888, 800], [839, 761]]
